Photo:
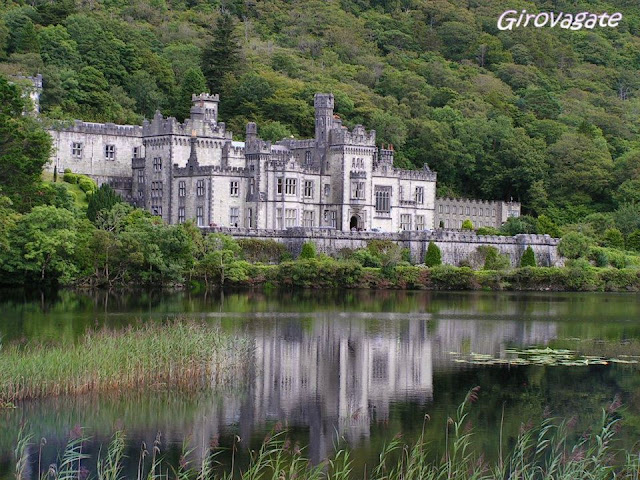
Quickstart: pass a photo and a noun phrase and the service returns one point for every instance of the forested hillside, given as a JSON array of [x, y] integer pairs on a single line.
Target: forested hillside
[[545, 116]]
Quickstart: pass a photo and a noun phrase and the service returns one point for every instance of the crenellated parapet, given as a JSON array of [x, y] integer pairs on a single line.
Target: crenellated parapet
[[295, 144], [470, 201], [92, 128], [425, 174], [357, 136], [206, 170]]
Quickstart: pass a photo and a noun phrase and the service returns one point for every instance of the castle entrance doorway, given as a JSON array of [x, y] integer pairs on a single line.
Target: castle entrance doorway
[[355, 223]]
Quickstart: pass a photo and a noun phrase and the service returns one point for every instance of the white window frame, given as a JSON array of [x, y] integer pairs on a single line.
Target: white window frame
[[308, 188], [234, 188], [307, 218], [76, 149], [290, 186], [181, 215], [200, 216], [405, 221], [182, 188], [200, 188], [419, 222], [110, 152], [290, 217], [234, 216], [279, 219]]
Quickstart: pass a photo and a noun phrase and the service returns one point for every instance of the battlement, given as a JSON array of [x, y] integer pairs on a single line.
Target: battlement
[[206, 97], [294, 144], [209, 170], [473, 202], [103, 129], [425, 174], [357, 136]]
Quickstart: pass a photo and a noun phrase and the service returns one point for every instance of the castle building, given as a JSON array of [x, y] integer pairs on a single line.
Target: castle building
[[195, 170], [451, 212]]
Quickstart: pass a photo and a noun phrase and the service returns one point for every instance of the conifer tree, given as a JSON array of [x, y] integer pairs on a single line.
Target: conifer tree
[[433, 256], [103, 199], [194, 82], [528, 258], [222, 54]]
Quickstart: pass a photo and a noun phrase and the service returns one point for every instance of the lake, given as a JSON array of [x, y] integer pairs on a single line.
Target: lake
[[351, 367]]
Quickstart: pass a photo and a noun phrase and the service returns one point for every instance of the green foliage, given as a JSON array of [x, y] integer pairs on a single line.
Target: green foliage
[[574, 245], [192, 83], [487, 231], [221, 55], [613, 238], [433, 256], [493, 259], [546, 226], [528, 258], [467, 225], [308, 250], [24, 149], [263, 251], [104, 198], [517, 225], [633, 241], [87, 185]]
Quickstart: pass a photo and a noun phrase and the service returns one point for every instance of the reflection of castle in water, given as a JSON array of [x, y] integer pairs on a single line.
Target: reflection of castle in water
[[339, 376]]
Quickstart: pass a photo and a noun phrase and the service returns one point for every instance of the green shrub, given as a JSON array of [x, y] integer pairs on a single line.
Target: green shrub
[[528, 258], [86, 184], [70, 177], [263, 251], [598, 256], [433, 256], [493, 259], [613, 238], [487, 231], [617, 259], [546, 226], [467, 225], [446, 277], [308, 250], [633, 241], [365, 258], [574, 245]]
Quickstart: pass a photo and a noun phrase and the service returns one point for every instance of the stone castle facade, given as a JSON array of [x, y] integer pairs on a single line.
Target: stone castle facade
[[195, 170]]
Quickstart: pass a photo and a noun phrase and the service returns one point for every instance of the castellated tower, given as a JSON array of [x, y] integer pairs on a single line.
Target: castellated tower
[[205, 107], [323, 103]]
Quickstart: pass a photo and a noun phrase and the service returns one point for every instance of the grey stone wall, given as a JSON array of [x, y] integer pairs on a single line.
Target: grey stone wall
[[456, 247]]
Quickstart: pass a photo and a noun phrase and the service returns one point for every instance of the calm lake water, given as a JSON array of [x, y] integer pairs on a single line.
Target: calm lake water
[[354, 367]]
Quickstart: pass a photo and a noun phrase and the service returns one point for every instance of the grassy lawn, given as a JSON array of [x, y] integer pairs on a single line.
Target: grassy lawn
[[81, 200]]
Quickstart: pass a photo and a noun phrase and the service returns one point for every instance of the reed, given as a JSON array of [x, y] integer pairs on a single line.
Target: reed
[[541, 452], [180, 355]]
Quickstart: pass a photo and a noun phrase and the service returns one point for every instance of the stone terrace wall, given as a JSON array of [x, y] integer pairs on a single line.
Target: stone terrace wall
[[456, 246]]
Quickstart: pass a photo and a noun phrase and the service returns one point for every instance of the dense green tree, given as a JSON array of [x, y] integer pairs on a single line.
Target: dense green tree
[[433, 256], [103, 199], [192, 83], [574, 245], [22, 32], [528, 258], [43, 246], [613, 238], [24, 149], [222, 54], [467, 225], [633, 241], [57, 47], [308, 250]]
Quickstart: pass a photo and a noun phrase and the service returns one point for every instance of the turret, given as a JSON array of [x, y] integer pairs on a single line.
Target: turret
[[205, 107], [323, 103]]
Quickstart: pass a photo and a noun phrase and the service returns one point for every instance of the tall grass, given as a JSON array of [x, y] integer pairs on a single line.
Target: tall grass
[[182, 355], [540, 453]]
